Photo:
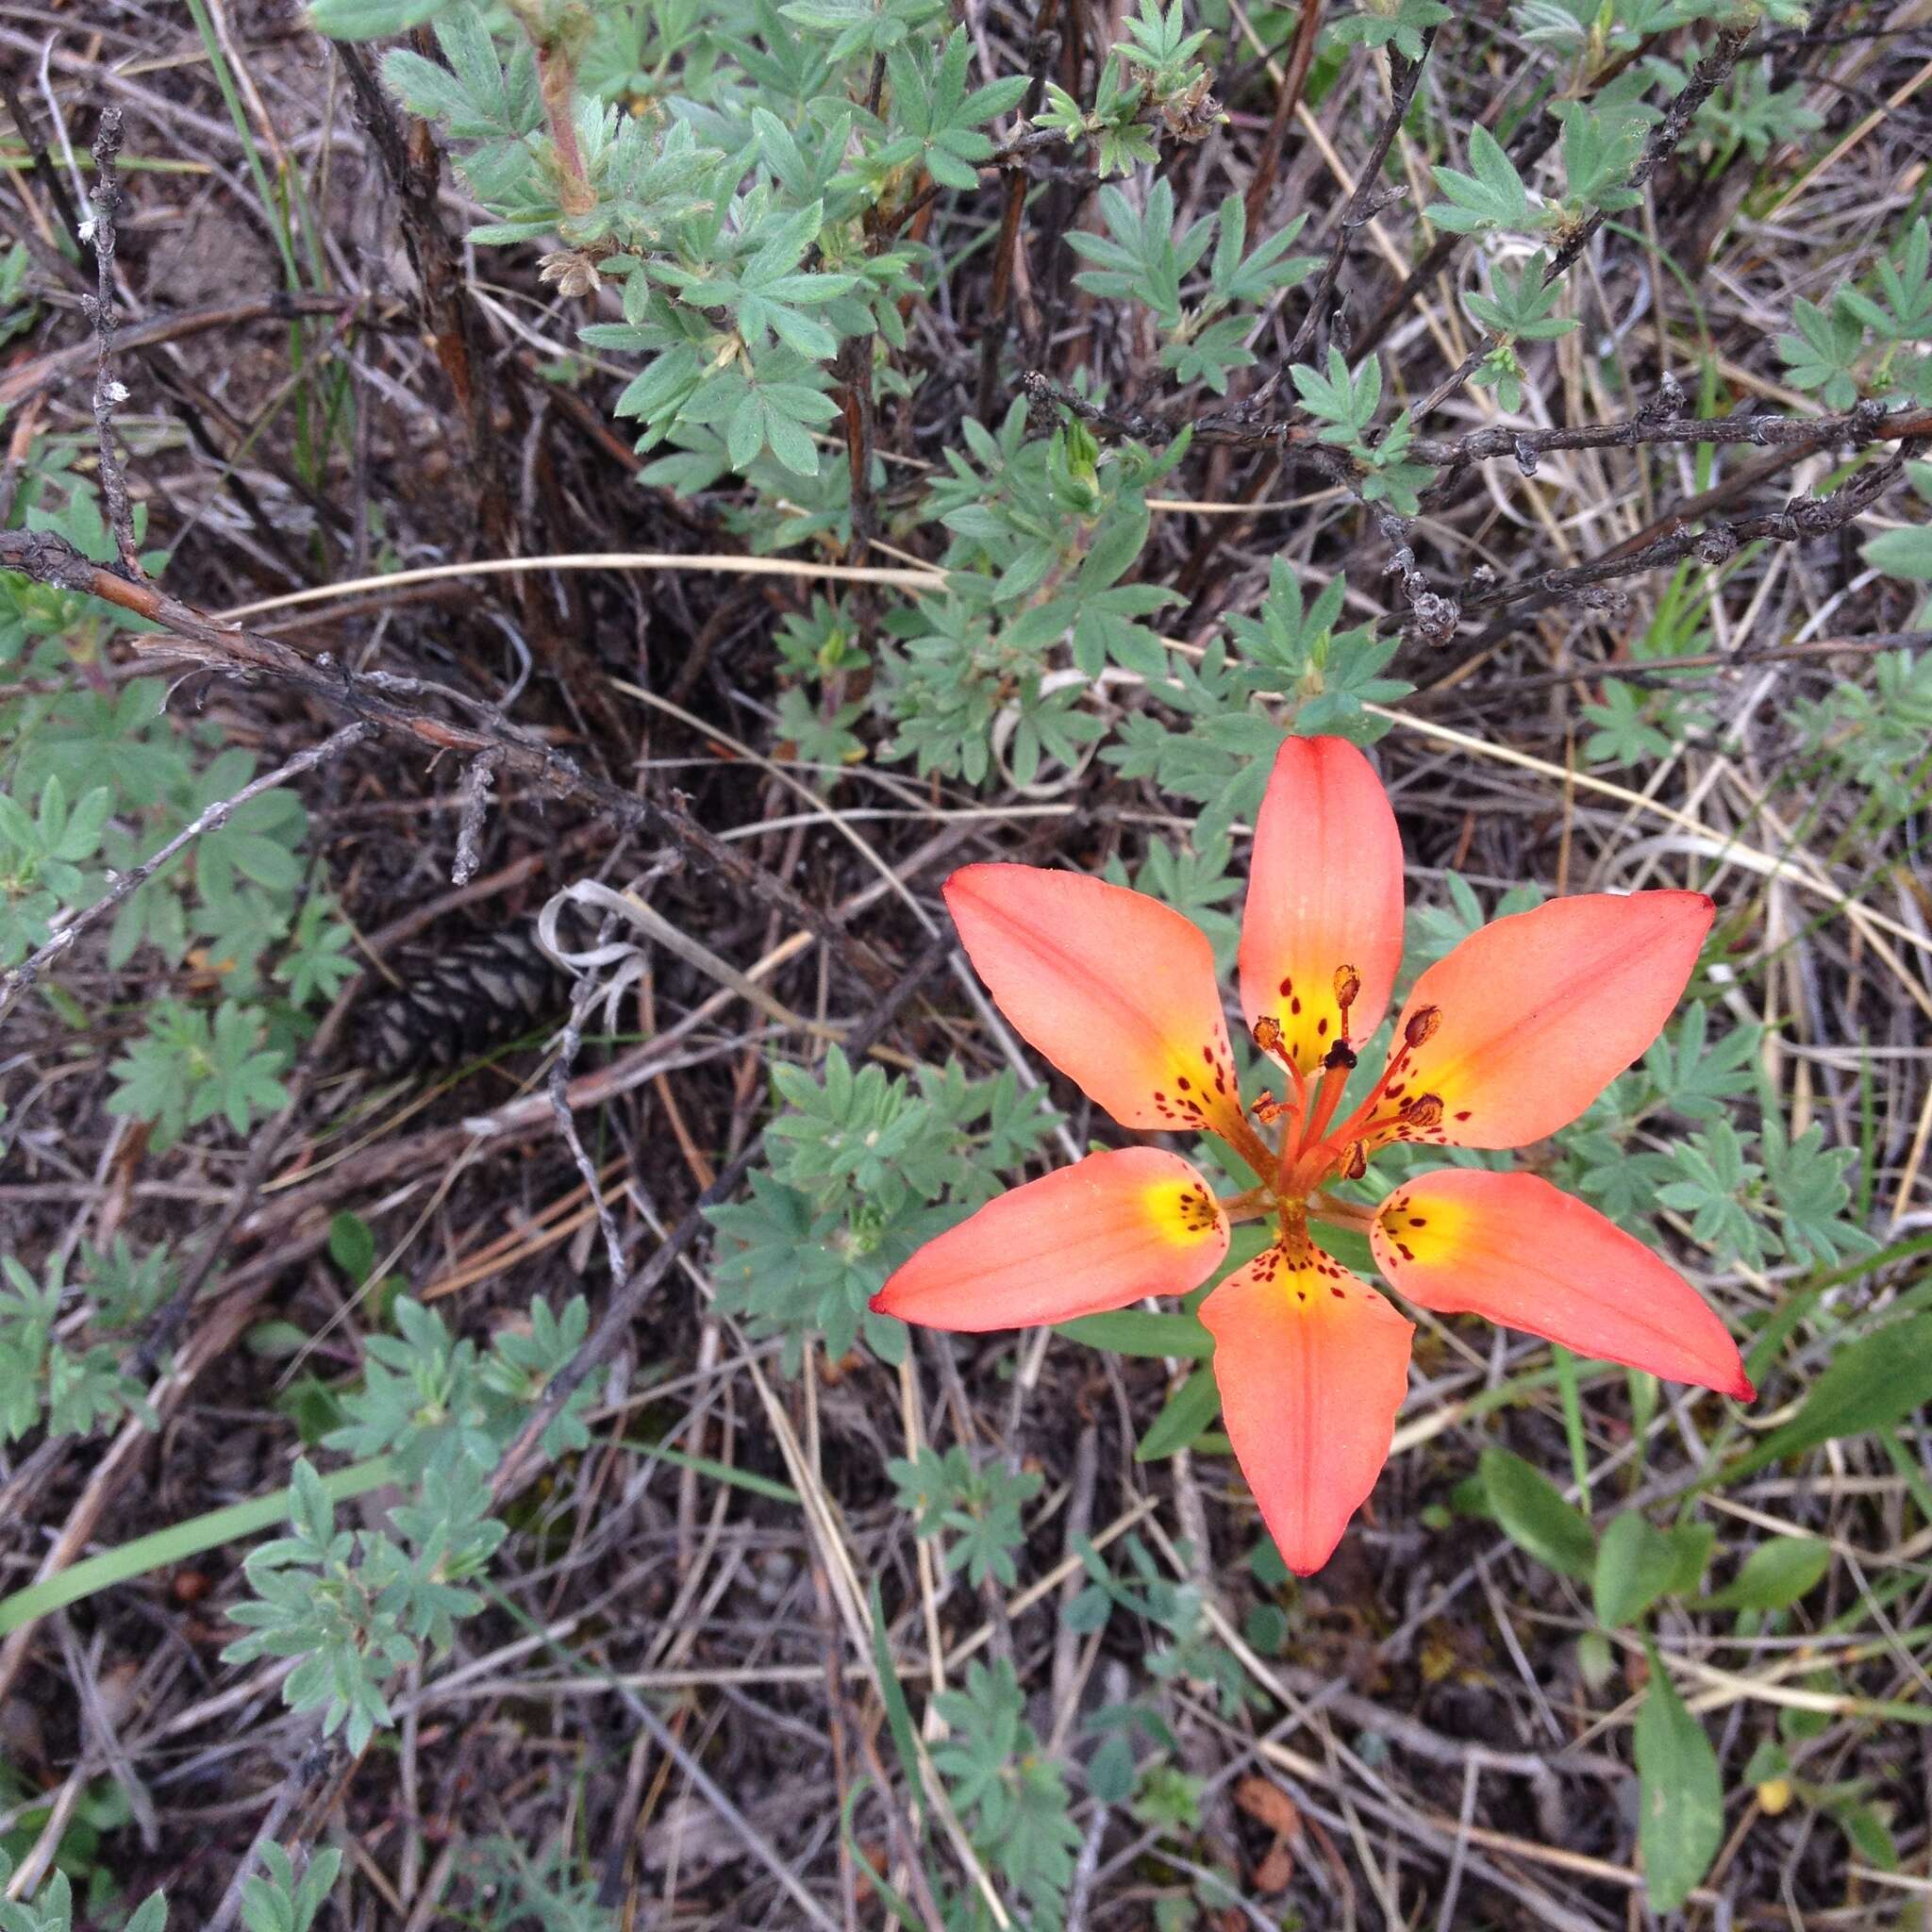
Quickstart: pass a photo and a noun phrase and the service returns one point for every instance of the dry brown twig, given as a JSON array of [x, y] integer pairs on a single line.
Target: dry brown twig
[[513, 1467], [1405, 78], [1714, 543], [108, 390], [21, 979], [1661, 142], [378, 700], [1288, 97]]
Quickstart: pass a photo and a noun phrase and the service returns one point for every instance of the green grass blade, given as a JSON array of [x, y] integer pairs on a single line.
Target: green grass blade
[[175, 1544]]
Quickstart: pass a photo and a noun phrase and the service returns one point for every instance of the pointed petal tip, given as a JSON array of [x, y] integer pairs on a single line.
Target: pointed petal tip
[[1304, 1563], [1698, 910], [1738, 1387], [1311, 1365], [1698, 907], [1522, 1252], [960, 879], [967, 883]]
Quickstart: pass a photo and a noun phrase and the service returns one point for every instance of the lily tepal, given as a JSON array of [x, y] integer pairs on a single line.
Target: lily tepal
[[1505, 1040]]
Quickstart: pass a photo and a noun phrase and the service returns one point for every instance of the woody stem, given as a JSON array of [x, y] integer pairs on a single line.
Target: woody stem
[[557, 90]]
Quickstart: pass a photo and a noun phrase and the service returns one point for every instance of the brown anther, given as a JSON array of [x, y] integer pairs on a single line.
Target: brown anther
[[1267, 1110], [1267, 1034], [1425, 1111], [1348, 987], [1422, 1024], [1358, 1162], [1340, 1058]]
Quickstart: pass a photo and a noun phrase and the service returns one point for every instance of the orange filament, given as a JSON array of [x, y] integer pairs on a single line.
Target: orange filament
[[1268, 1037], [1313, 1148], [1322, 1152]]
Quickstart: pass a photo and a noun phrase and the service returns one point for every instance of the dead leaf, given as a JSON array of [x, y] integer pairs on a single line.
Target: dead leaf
[[1269, 1805], [1273, 1873]]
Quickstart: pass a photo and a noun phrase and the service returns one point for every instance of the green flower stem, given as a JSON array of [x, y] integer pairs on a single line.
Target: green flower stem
[[175, 1544], [1573, 1418]]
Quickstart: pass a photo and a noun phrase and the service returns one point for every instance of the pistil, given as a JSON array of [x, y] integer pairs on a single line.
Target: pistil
[[1363, 1125], [1335, 1072], [1321, 1152]]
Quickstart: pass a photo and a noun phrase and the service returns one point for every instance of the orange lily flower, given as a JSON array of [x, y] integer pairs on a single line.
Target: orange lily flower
[[1505, 1040]]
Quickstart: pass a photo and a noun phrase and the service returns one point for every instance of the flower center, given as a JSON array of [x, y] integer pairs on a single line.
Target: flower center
[[1314, 1148]]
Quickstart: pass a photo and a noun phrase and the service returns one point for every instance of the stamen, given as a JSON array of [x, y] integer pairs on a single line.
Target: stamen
[[1413, 1119], [1348, 986], [1362, 1121], [1267, 1034], [1383, 1115]]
